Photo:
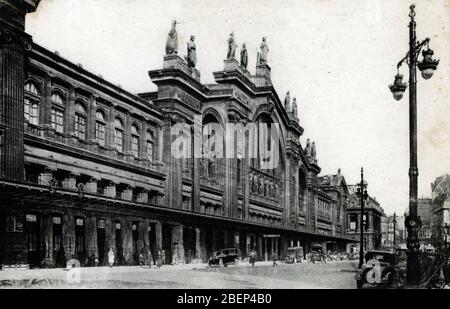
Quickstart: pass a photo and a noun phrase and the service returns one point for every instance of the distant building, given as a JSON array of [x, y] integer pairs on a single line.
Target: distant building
[[440, 205], [372, 220], [424, 211]]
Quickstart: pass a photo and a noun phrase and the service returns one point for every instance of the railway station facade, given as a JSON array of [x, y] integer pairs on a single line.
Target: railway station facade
[[86, 166]]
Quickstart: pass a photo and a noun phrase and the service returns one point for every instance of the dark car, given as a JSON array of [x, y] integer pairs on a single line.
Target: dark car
[[224, 257], [379, 269]]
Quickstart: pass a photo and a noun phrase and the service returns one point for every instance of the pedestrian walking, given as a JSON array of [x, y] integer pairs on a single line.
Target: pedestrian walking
[[111, 257], [252, 257], [141, 259]]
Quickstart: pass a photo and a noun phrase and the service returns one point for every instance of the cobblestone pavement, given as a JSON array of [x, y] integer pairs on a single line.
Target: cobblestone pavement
[[243, 276]]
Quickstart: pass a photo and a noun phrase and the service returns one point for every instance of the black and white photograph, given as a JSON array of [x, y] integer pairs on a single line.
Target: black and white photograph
[[251, 145]]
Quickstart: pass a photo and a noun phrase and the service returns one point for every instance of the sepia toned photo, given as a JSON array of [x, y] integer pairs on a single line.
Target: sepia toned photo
[[220, 145]]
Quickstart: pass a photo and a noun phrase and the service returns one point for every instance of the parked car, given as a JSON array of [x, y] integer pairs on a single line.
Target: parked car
[[379, 269], [316, 254], [294, 255], [224, 257]]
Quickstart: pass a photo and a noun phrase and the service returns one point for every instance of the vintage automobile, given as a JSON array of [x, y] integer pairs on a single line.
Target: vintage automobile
[[316, 254], [379, 269], [294, 255], [224, 257]]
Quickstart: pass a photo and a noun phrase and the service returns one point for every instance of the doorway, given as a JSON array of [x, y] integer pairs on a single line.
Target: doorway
[[80, 248], [135, 236], [152, 239], [32, 232], [58, 249], [101, 242], [119, 243], [167, 243]]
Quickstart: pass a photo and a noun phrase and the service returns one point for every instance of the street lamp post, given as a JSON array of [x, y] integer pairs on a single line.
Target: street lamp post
[[395, 225], [427, 67], [361, 192]]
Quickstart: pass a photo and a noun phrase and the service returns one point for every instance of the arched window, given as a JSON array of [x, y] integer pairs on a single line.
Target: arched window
[[56, 98], [261, 141], [31, 103], [80, 120], [57, 112], [149, 145], [302, 190], [100, 127], [118, 134], [135, 140]]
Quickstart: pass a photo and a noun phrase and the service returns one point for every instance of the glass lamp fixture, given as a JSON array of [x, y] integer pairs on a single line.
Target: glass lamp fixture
[[428, 64], [398, 87]]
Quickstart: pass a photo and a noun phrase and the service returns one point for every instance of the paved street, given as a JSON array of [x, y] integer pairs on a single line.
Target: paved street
[[264, 275]]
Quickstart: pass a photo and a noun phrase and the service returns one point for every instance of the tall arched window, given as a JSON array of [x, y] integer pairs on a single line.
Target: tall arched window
[[80, 120], [149, 145], [100, 127], [118, 134], [31, 103], [135, 140], [57, 112]]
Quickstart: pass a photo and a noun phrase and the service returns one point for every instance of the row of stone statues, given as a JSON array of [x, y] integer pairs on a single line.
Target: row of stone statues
[[191, 57], [172, 46], [310, 149], [263, 185], [231, 53], [287, 105]]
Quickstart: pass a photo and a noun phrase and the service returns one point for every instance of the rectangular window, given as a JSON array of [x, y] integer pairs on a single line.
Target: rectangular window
[[80, 126], [353, 222], [100, 133], [118, 140], [57, 119], [135, 145], [14, 224], [150, 150]]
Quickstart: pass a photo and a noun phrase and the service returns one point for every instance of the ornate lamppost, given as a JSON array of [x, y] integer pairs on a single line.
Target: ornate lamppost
[[427, 66], [361, 192]]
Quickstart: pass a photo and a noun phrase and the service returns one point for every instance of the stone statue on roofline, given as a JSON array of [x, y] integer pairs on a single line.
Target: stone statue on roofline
[[264, 51], [287, 102], [172, 40], [191, 53], [308, 148], [244, 56], [231, 47], [313, 150], [294, 107]]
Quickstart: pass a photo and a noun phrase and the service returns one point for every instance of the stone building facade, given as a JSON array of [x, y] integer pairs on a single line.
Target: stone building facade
[[87, 166], [440, 205], [372, 220]]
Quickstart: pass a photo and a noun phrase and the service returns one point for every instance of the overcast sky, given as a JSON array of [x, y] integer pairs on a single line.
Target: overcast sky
[[336, 57]]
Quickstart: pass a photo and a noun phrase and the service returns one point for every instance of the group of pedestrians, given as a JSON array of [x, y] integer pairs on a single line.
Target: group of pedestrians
[[144, 260]]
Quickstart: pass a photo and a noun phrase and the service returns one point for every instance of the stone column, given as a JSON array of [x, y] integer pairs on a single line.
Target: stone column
[[110, 127], [127, 136], [158, 233], [259, 241], [91, 118], [69, 236], [214, 240], [198, 247], [70, 113], [127, 234], [47, 227], [14, 43], [45, 105], [110, 231], [91, 238], [178, 247]]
